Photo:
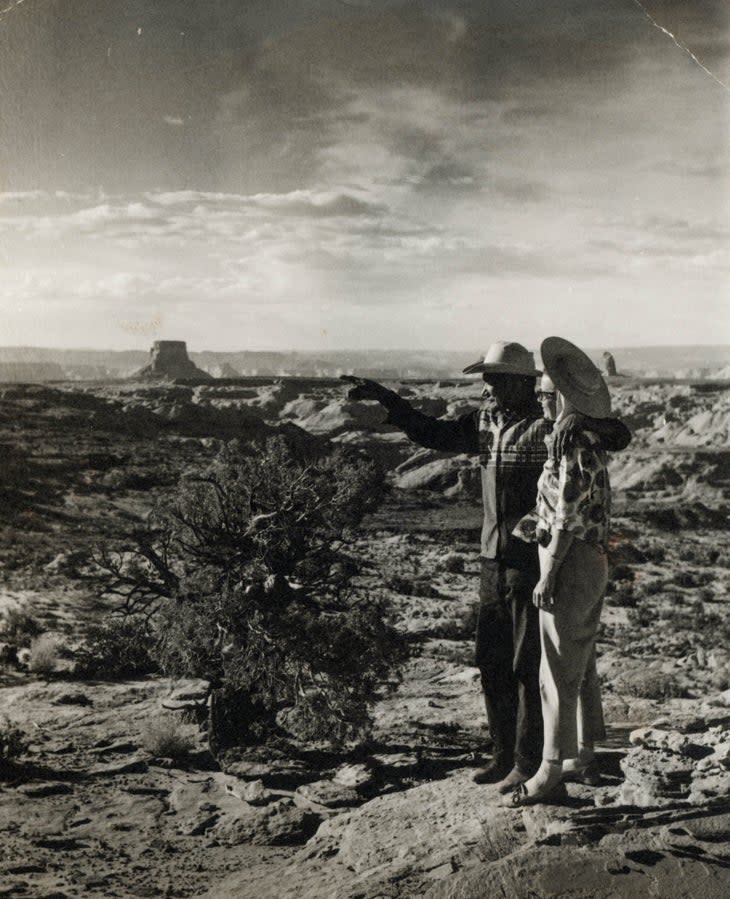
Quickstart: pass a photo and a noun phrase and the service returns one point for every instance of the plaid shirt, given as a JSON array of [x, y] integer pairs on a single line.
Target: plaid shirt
[[512, 451]]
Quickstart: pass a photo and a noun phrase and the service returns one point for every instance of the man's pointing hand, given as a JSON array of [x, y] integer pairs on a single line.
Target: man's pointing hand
[[365, 389]]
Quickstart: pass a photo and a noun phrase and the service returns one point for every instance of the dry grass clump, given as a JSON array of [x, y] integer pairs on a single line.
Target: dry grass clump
[[44, 655], [167, 737]]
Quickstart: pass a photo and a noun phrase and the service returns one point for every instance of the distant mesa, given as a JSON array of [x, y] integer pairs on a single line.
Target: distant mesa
[[169, 361], [30, 372]]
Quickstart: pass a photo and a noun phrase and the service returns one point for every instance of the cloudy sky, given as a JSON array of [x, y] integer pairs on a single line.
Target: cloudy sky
[[320, 174]]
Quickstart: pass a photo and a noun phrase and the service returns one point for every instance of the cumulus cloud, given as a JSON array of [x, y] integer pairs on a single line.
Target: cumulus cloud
[[358, 156]]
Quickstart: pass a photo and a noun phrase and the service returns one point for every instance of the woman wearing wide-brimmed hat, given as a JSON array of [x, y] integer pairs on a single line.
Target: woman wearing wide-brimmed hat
[[570, 524]]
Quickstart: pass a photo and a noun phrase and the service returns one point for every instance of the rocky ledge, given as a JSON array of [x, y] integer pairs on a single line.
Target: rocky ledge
[[663, 829]]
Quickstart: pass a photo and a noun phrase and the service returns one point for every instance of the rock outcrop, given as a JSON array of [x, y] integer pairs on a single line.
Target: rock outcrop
[[169, 360], [609, 365], [223, 370], [685, 761]]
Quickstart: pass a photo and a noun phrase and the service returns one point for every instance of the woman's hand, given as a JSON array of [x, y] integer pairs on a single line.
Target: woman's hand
[[543, 596]]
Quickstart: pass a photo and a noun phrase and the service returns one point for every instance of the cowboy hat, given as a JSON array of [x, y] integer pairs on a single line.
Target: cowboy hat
[[505, 358], [576, 377]]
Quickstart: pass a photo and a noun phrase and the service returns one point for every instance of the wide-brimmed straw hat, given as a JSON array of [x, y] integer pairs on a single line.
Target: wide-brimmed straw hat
[[576, 377], [506, 358]]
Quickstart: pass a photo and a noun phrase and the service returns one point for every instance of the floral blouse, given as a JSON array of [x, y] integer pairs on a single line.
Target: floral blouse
[[575, 496]]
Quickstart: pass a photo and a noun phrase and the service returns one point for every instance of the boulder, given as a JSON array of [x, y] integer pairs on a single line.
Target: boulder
[[439, 475], [279, 824], [355, 776], [252, 792], [329, 793]]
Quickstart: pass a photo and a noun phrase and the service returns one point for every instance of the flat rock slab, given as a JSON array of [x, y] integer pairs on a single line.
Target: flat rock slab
[[362, 851], [136, 765], [402, 762], [329, 793], [633, 865]]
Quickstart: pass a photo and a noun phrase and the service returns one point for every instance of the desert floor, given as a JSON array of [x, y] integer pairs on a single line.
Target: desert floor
[[89, 811]]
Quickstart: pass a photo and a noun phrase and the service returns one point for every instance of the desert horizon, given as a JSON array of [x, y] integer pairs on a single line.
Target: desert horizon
[[53, 364]]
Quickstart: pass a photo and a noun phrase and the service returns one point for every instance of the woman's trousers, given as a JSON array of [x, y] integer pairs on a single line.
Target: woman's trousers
[[569, 686]]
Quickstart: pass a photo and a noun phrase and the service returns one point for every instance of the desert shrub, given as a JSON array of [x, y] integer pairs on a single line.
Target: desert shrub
[[246, 573], [119, 648], [458, 653], [398, 583], [654, 554], [623, 597], [461, 628], [651, 683], [653, 587], [720, 678], [131, 479], [692, 578], [19, 627], [692, 553], [453, 563], [44, 655], [621, 573], [166, 736], [13, 741], [642, 615]]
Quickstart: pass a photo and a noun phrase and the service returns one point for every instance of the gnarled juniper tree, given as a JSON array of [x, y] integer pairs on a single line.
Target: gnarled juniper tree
[[246, 574]]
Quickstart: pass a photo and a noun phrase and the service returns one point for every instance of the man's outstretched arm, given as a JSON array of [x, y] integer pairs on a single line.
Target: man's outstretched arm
[[458, 436]]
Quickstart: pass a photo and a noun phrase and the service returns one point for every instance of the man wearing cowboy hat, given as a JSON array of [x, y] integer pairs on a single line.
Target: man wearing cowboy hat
[[508, 433]]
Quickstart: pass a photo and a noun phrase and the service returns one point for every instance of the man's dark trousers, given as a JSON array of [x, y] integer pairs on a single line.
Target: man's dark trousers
[[508, 657]]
